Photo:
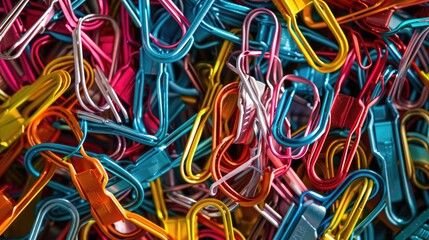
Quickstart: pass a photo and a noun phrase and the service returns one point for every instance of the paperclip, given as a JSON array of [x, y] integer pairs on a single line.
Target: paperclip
[[101, 80], [290, 10], [55, 203], [342, 223], [161, 91], [175, 226], [376, 7], [67, 63], [316, 122], [406, 148], [316, 213], [383, 130], [213, 87], [226, 217], [15, 116], [90, 180], [346, 226], [410, 53], [417, 229], [340, 117], [252, 92], [220, 147], [16, 48], [183, 46]]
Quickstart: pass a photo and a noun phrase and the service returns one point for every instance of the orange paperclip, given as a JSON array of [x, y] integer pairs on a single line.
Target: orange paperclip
[[376, 7], [290, 9], [90, 179]]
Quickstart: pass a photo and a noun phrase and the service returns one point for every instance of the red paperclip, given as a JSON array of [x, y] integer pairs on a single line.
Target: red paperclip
[[348, 113]]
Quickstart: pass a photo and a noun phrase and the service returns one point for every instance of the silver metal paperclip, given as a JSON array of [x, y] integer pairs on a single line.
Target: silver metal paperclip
[[16, 49]]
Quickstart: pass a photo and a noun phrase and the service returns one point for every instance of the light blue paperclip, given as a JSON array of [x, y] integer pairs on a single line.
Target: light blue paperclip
[[56, 203], [185, 43]]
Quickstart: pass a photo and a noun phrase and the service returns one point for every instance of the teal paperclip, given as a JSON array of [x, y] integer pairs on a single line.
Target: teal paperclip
[[53, 204], [184, 44], [160, 95], [417, 229], [383, 130], [409, 23], [284, 107]]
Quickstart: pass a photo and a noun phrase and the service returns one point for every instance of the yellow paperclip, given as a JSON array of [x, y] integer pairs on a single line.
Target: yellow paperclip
[[29, 102], [66, 63], [419, 154], [358, 192], [343, 224], [289, 11], [424, 77], [335, 147], [191, 217], [410, 166], [175, 226], [214, 86]]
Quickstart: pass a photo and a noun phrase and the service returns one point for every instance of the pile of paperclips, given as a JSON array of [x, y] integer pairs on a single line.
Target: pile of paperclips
[[214, 119]]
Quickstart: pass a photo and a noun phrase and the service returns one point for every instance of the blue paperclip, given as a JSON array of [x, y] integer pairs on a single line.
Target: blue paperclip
[[185, 43], [309, 209], [52, 204]]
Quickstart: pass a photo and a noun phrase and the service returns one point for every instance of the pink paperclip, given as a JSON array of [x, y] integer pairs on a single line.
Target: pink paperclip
[[129, 44], [248, 83], [409, 55], [178, 16], [272, 55], [72, 20]]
